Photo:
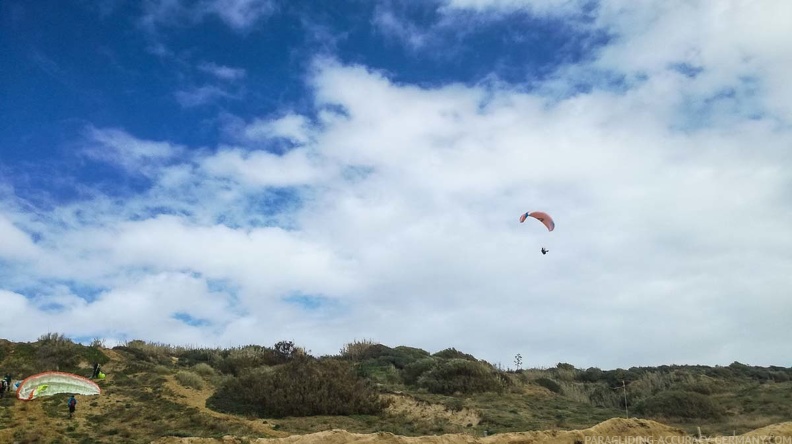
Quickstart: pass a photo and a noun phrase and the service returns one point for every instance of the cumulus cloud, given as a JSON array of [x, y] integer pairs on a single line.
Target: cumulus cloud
[[293, 127], [265, 169], [16, 243], [672, 242]]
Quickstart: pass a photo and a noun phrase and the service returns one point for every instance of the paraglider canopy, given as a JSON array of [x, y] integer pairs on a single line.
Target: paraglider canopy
[[52, 383], [541, 217]]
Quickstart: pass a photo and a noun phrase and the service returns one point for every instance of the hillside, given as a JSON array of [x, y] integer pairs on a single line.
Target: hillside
[[374, 393]]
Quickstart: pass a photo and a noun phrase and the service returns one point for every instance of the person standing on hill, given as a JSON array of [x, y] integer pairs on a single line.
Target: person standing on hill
[[72, 403], [96, 369]]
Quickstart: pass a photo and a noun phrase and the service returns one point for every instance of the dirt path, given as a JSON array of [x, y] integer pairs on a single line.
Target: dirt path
[[197, 399]]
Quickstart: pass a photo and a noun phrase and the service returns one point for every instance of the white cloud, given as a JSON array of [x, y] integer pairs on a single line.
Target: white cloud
[[202, 95], [729, 41], [392, 25], [539, 7], [260, 168], [291, 126], [16, 244], [134, 155], [726, 43], [240, 15], [672, 242], [222, 72]]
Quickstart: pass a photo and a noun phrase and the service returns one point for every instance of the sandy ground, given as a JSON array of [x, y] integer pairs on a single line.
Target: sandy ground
[[610, 428], [403, 405], [612, 431]]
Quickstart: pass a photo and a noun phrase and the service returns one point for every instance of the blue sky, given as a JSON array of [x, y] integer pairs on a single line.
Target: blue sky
[[234, 171]]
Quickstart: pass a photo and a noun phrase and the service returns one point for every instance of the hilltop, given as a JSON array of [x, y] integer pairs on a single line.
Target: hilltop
[[370, 392]]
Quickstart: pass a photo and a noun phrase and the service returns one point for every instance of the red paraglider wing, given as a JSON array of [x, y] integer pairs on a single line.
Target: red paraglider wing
[[541, 217]]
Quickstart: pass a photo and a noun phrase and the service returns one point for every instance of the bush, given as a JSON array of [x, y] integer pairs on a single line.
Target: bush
[[549, 384], [383, 356], [237, 361], [701, 387], [414, 370], [204, 370], [592, 374], [147, 352], [354, 350], [56, 352], [679, 404], [189, 379], [604, 396], [412, 353], [161, 370], [195, 356], [95, 354], [304, 386], [452, 353], [460, 375]]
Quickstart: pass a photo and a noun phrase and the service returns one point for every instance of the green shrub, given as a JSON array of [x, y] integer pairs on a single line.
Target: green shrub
[[94, 354], [381, 372], [412, 353], [195, 356], [56, 352], [549, 384], [460, 375], [141, 351], [383, 356], [452, 353], [604, 396], [304, 386], [189, 379], [237, 361], [704, 388], [414, 370], [204, 370], [592, 374], [5, 349], [161, 370], [355, 349], [679, 404]]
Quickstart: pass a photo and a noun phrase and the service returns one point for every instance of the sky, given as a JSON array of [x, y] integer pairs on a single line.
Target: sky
[[216, 173]]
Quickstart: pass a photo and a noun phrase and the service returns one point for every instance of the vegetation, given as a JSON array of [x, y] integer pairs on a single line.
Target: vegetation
[[189, 379], [679, 404], [148, 387], [304, 386]]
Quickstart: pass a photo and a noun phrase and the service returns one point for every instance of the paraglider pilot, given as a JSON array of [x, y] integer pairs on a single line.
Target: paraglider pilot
[[96, 369], [544, 251], [72, 405]]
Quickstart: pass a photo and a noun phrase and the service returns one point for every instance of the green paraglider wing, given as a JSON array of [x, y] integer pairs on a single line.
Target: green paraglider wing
[[52, 383]]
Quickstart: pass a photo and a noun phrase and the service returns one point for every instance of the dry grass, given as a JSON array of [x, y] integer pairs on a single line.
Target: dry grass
[[355, 349], [204, 370], [190, 379]]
